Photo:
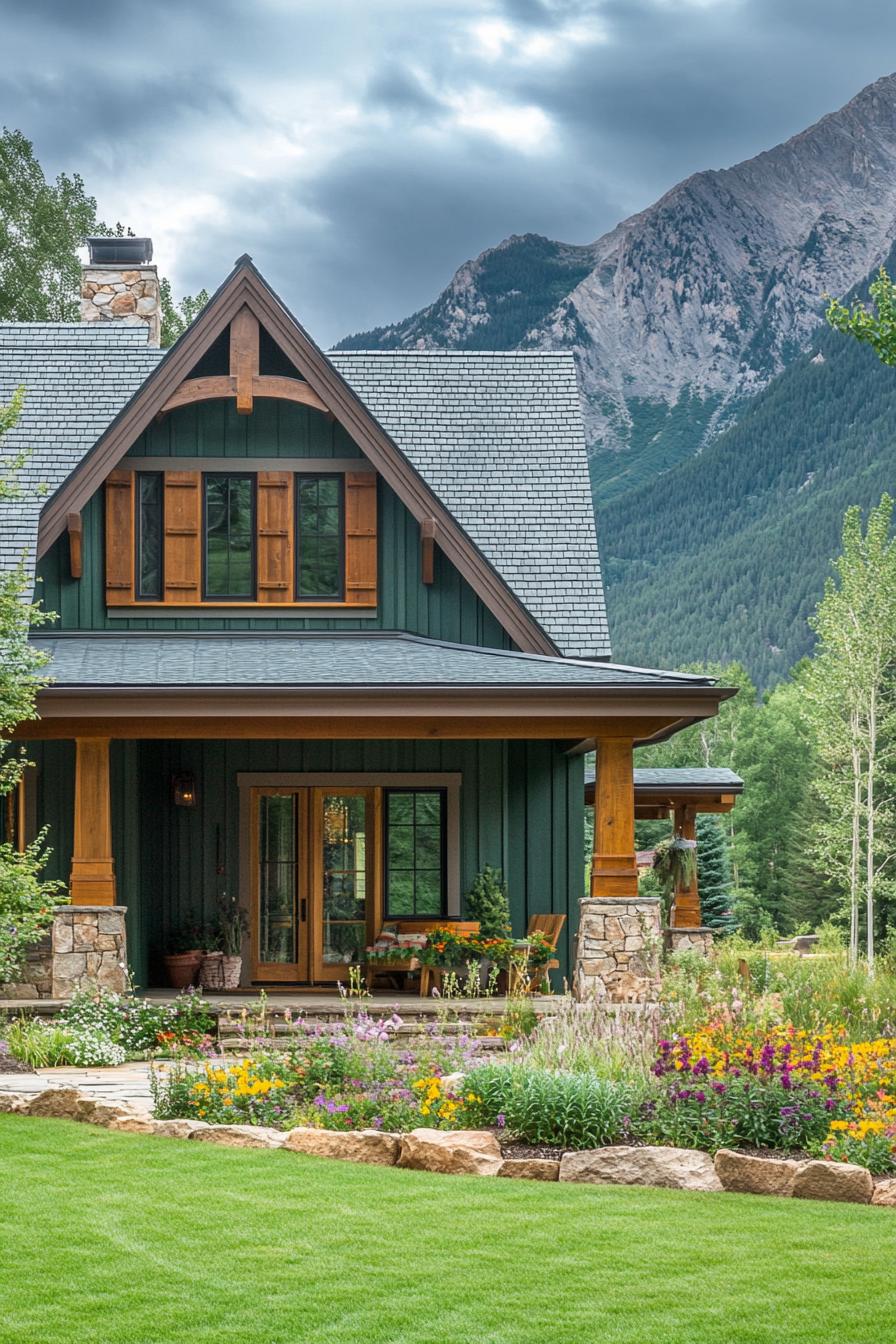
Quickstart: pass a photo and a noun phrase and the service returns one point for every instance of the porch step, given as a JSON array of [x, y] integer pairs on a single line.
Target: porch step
[[238, 1045]]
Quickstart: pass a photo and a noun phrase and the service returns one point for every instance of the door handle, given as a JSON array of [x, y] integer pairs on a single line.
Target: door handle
[[303, 910]]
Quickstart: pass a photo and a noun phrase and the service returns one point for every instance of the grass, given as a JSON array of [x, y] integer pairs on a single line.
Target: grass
[[120, 1239]]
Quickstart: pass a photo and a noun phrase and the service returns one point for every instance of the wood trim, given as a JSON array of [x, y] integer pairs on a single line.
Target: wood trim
[[119, 538], [275, 539], [330, 972], [75, 550], [685, 912], [287, 972], [182, 567], [289, 389], [427, 549], [614, 869], [92, 879], [244, 338], [221, 387], [193, 390], [360, 539], [244, 286]]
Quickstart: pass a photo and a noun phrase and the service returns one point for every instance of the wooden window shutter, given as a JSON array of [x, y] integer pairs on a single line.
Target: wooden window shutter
[[360, 538], [119, 538], [275, 536], [183, 527]]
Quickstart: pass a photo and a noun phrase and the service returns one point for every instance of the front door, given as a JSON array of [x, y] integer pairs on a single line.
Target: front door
[[314, 882]]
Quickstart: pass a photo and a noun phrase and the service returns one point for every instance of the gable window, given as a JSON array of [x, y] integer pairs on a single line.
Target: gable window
[[415, 878], [148, 533], [320, 528], [229, 536]]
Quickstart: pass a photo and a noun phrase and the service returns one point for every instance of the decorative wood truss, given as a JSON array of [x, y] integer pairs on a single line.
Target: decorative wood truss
[[244, 382]]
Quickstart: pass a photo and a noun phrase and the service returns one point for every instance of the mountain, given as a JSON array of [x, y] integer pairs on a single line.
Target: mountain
[[726, 556], [683, 313]]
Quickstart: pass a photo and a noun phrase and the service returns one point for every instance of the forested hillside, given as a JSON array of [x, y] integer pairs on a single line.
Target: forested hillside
[[726, 555]]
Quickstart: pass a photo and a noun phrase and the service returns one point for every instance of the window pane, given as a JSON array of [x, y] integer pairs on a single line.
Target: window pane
[[278, 867], [319, 526], [345, 876], [229, 536], [149, 535], [415, 877]]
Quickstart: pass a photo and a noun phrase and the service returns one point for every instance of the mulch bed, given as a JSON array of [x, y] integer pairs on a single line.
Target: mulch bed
[[9, 1063], [511, 1149]]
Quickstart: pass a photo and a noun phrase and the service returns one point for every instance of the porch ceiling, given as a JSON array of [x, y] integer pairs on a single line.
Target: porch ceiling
[[354, 685]]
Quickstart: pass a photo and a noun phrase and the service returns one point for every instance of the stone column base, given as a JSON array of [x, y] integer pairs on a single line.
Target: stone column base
[[698, 939], [89, 949], [618, 949], [36, 980]]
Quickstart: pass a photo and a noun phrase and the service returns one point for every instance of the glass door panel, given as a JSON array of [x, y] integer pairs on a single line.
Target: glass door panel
[[343, 866], [280, 907]]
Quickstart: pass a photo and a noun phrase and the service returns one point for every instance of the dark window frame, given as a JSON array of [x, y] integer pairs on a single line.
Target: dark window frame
[[252, 478], [317, 476], [139, 595], [442, 793]]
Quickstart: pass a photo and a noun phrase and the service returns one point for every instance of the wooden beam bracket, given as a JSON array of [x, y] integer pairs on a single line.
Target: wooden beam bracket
[[75, 536], [427, 549]]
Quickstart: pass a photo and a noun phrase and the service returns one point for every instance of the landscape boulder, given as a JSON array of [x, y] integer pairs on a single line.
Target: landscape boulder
[[531, 1168], [885, 1193], [366, 1145], [132, 1122], [241, 1136], [669, 1168], [177, 1129], [12, 1103], [833, 1180], [463, 1152], [60, 1103], [92, 1112], [744, 1175]]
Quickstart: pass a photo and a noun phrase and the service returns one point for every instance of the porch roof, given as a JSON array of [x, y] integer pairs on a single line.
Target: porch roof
[[389, 659], [356, 685]]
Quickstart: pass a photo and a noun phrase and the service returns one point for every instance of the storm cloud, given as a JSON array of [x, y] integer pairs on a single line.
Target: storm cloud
[[361, 150]]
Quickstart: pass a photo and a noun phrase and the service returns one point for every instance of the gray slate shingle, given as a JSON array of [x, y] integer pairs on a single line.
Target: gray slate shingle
[[296, 660], [497, 436]]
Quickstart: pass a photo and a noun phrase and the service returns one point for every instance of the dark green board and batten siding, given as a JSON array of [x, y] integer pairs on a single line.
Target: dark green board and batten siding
[[446, 609], [522, 810]]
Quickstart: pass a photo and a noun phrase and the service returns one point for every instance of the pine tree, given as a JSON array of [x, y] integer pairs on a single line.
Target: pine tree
[[714, 873]]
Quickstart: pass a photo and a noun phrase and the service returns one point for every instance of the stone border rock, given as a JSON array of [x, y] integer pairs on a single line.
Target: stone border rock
[[473, 1152]]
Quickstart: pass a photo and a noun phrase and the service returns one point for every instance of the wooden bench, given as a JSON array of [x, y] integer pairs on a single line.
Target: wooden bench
[[407, 966]]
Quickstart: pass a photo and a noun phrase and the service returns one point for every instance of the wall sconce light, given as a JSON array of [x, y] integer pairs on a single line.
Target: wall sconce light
[[183, 789]]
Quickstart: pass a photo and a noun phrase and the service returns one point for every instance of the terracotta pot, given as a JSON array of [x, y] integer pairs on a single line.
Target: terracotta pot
[[181, 968]]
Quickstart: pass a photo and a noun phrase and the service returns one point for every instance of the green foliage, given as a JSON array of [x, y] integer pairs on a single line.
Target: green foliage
[[177, 315], [714, 873], [42, 225], [488, 902], [876, 328], [565, 1110]]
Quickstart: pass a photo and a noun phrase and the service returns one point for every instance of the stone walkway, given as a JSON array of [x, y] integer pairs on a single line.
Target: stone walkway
[[125, 1083]]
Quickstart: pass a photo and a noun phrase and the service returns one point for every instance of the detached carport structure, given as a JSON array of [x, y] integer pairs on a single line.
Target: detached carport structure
[[680, 793]]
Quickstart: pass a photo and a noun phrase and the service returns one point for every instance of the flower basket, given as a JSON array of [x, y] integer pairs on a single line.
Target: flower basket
[[231, 970]]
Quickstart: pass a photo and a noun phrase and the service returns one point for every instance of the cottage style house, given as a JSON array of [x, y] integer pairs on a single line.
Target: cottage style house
[[329, 637]]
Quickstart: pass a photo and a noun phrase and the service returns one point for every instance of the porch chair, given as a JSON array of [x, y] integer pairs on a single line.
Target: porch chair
[[530, 981]]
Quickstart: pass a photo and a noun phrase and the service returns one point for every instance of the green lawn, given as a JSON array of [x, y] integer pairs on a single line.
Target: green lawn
[[117, 1239]]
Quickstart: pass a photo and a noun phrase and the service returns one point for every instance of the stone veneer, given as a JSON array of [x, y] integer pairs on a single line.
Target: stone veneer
[[618, 949], [36, 980], [89, 949], [110, 294], [688, 940]]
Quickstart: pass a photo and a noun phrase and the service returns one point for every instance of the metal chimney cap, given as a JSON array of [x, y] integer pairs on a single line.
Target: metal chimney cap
[[119, 251]]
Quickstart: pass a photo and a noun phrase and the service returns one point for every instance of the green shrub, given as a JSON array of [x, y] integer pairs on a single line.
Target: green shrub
[[564, 1110], [487, 901]]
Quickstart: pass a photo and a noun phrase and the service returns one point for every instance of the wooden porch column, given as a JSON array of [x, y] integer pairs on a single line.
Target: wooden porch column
[[685, 913], [614, 868], [92, 880]]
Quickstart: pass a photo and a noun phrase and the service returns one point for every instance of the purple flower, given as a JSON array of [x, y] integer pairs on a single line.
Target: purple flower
[[701, 1067], [720, 1088], [500, 1120]]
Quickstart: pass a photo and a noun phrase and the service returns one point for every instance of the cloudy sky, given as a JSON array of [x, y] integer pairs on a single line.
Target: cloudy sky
[[360, 150]]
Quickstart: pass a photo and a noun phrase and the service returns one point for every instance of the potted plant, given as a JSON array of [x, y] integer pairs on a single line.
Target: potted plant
[[231, 927], [184, 958]]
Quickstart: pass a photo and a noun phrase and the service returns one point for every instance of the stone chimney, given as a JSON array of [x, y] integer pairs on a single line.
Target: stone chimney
[[119, 284]]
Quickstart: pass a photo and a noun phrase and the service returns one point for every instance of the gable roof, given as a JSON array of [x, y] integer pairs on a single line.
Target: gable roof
[[490, 445]]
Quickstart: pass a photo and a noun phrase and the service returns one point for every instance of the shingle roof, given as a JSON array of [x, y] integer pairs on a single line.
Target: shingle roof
[[140, 658], [77, 377], [498, 437], [680, 778], [500, 440]]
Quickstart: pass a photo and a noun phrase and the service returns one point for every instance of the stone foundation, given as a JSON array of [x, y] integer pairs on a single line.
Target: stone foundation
[[36, 981], [688, 940], [111, 294], [89, 949], [618, 949]]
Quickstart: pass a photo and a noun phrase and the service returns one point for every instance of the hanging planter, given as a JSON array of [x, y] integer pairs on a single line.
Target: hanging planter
[[675, 863]]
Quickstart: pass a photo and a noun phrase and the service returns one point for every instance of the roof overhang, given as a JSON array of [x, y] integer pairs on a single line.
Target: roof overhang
[[246, 288], [653, 801], [574, 715]]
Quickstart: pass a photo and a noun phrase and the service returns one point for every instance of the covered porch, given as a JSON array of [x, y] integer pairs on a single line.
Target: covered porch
[[170, 780]]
